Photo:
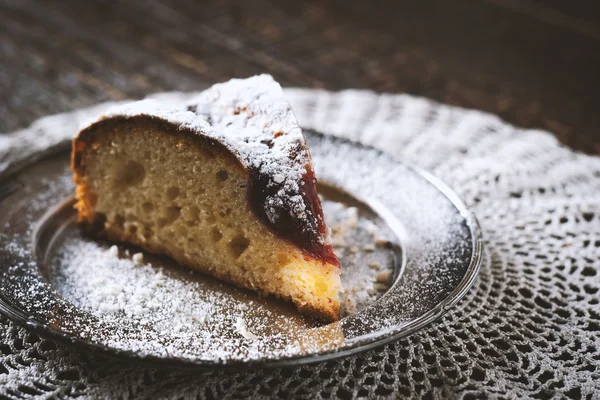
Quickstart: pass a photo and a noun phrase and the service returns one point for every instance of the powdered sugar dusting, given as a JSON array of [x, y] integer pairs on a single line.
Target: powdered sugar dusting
[[173, 313], [262, 128], [195, 315]]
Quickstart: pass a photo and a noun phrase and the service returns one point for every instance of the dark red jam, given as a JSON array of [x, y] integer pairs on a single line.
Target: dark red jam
[[304, 232]]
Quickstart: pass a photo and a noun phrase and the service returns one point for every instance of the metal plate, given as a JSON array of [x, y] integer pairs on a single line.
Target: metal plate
[[435, 256]]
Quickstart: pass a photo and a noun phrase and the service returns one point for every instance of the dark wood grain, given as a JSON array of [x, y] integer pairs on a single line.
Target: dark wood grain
[[534, 63]]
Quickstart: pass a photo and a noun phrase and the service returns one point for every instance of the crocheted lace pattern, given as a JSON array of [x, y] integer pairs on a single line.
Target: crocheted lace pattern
[[530, 326]]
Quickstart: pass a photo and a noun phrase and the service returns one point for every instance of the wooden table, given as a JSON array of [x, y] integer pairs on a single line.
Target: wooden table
[[535, 63]]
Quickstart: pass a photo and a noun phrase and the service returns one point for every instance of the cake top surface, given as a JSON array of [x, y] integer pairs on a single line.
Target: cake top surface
[[254, 121]]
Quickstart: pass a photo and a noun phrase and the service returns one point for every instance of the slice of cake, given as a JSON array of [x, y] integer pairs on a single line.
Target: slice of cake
[[225, 187]]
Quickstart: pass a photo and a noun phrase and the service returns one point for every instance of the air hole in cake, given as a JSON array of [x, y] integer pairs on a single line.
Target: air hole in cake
[[238, 245], [191, 214], [132, 229], [130, 174], [147, 207], [222, 176], [172, 192], [171, 214], [147, 154], [216, 234], [148, 232], [99, 222], [119, 221], [225, 213]]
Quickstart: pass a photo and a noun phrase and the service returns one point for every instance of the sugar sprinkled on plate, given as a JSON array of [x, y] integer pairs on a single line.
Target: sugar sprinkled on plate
[[198, 316]]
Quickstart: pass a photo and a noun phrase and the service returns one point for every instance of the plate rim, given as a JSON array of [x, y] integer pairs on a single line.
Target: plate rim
[[363, 344]]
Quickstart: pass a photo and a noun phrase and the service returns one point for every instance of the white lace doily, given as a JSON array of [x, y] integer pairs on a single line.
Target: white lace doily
[[530, 327]]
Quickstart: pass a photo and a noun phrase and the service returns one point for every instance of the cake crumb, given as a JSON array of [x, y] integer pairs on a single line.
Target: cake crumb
[[371, 228], [352, 217], [240, 325], [138, 258], [113, 251], [374, 264], [350, 305], [383, 276], [369, 248], [338, 240], [381, 242]]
